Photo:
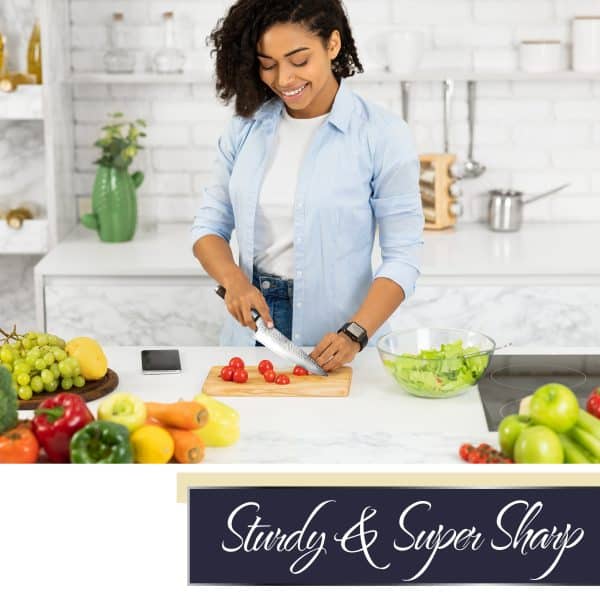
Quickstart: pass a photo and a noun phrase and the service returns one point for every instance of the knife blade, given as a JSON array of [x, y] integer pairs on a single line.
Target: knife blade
[[278, 343]]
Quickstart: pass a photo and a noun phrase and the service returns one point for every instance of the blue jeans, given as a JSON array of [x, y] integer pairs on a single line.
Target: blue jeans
[[279, 294]]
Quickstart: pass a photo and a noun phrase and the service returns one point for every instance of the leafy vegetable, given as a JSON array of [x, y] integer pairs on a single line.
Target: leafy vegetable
[[439, 373], [9, 414]]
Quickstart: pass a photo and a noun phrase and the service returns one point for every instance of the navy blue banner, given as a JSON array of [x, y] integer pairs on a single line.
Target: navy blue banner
[[384, 536]]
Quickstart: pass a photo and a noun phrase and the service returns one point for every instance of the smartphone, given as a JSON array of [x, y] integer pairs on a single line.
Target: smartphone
[[158, 362]]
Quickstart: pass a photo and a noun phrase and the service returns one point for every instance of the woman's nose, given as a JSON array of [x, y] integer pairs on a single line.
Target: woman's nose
[[284, 76]]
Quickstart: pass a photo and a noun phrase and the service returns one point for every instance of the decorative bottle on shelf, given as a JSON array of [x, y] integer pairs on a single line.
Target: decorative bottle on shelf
[[14, 217], [169, 59], [117, 59], [9, 82], [3, 56], [34, 53]]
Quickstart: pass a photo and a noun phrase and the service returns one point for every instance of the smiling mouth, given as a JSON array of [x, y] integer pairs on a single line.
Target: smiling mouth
[[293, 93]]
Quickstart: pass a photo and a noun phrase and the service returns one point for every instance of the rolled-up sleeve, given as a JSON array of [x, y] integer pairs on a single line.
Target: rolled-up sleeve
[[396, 203], [215, 213]]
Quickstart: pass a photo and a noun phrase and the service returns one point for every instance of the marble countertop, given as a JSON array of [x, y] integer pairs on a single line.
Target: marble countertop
[[467, 254], [376, 424]]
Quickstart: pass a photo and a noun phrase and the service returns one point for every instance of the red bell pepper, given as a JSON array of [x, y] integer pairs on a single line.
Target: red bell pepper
[[593, 403], [56, 421]]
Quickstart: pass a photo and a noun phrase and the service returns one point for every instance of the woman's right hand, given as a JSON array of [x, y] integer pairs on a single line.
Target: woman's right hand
[[240, 297]]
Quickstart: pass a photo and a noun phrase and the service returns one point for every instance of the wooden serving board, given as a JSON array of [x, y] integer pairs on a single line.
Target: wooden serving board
[[335, 384], [92, 390]]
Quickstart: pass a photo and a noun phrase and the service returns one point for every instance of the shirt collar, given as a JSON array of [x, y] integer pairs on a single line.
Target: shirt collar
[[339, 115]]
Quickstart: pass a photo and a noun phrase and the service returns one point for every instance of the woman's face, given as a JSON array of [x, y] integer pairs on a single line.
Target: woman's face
[[296, 65]]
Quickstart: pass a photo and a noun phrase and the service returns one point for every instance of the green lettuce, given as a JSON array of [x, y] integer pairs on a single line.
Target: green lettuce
[[439, 373]]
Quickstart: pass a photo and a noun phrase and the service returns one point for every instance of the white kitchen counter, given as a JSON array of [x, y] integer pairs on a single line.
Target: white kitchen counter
[[469, 254], [376, 423]]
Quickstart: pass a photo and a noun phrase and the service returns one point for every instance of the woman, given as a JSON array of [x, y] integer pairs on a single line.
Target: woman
[[306, 171]]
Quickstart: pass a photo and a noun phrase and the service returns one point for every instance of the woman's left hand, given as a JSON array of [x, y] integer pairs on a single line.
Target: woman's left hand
[[334, 350]]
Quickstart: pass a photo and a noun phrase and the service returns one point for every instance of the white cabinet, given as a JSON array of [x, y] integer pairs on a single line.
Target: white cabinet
[[148, 312], [525, 315]]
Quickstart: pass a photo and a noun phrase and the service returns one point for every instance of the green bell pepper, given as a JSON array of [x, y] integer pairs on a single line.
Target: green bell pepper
[[101, 442]]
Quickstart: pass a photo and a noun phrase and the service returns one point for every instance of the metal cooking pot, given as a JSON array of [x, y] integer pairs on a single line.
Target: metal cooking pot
[[505, 208]]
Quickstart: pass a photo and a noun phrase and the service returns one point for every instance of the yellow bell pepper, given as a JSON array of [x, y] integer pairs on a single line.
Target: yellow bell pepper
[[125, 409], [223, 426]]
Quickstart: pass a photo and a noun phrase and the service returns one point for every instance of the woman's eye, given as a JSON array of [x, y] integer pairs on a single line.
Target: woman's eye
[[267, 68], [300, 64]]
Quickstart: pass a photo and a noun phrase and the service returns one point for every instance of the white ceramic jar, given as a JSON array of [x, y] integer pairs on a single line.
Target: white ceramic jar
[[586, 44], [540, 56]]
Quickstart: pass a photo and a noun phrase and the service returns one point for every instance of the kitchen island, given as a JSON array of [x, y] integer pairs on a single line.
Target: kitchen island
[[377, 423]]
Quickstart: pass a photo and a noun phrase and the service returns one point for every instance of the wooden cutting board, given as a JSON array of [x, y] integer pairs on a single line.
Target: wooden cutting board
[[92, 390], [335, 384]]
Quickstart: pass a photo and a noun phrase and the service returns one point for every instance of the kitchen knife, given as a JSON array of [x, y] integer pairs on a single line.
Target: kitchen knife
[[275, 341]]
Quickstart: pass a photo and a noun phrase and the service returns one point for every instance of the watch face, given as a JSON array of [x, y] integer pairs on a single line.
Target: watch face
[[355, 329]]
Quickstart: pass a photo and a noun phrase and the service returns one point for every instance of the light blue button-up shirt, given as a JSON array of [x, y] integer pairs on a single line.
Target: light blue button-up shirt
[[361, 171]]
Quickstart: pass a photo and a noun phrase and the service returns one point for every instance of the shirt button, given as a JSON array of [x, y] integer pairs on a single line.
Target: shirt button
[[298, 304], [299, 240], [297, 336], [298, 273], [265, 285]]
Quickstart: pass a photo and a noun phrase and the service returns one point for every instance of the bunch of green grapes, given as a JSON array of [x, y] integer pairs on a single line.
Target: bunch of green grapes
[[39, 363]]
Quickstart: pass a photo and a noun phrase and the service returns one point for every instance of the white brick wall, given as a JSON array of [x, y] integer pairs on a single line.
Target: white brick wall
[[531, 135]]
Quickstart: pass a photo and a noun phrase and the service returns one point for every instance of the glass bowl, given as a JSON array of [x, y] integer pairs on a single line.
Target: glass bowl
[[436, 363]]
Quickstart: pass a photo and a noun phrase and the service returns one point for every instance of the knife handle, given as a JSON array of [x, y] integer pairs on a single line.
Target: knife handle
[[220, 291]]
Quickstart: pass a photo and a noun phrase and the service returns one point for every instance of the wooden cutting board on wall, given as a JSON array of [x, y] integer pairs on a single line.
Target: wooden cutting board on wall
[[335, 384]]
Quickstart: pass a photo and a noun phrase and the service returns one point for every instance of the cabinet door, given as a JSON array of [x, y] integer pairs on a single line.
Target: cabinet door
[[526, 316], [148, 314]]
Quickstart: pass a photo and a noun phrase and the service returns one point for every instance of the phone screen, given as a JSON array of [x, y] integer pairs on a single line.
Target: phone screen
[[161, 361]]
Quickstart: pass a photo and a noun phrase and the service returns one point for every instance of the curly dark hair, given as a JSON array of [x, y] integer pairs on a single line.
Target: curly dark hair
[[236, 36]]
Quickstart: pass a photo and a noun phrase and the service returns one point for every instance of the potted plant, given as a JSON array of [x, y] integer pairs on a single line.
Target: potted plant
[[114, 202]]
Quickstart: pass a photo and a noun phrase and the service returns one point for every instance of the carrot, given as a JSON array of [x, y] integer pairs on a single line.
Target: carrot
[[182, 414], [189, 448]]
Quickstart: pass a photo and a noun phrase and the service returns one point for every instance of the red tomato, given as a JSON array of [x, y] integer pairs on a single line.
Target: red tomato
[[282, 379], [265, 365], [240, 376], [237, 363], [464, 450], [269, 376], [227, 373], [298, 370], [593, 403]]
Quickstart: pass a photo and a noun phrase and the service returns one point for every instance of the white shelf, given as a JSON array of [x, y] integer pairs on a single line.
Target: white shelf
[[32, 238], [24, 103], [139, 78], [201, 77]]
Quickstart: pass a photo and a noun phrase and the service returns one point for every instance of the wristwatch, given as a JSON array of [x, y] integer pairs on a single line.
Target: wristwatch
[[355, 332]]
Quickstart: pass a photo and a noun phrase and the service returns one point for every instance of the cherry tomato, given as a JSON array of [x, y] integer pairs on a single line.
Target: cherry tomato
[[270, 376], [265, 365], [464, 450], [298, 370], [240, 376], [282, 379], [237, 363], [593, 403], [227, 373]]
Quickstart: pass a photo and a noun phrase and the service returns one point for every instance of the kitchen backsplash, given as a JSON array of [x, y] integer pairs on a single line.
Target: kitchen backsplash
[[531, 135]]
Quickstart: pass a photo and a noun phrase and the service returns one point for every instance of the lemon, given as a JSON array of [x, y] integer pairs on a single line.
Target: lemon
[[152, 445], [91, 357]]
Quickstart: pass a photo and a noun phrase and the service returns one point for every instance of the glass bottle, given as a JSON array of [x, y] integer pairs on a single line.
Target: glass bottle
[[169, 59], [3, 56], [117, 59], [34, 53]]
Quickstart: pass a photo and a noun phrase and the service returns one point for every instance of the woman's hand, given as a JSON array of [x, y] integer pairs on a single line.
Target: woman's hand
[[334, 350], [240, 297]]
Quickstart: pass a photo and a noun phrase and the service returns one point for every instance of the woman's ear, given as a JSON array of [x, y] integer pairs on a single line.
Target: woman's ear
[[334, 45]]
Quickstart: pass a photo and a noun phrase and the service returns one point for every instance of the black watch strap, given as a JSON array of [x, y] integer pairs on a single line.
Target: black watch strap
[[355, 332]]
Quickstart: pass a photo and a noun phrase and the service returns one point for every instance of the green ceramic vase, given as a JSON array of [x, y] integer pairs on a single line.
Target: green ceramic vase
[[114, 204]]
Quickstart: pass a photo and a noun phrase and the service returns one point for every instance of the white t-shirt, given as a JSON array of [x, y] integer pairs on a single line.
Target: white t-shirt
[[274, 226]]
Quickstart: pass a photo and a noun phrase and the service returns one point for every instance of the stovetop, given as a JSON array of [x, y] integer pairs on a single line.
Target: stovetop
[[511, 377]]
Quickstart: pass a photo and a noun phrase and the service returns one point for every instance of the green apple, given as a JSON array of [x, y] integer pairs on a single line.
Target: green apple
[[538, 445], [509, 430], [555, 406]]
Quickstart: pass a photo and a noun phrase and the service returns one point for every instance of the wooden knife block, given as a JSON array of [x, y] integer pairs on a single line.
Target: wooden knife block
[[434, 184]]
